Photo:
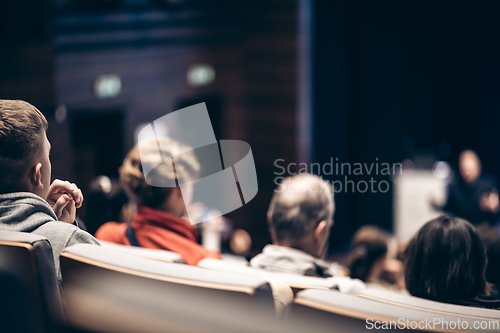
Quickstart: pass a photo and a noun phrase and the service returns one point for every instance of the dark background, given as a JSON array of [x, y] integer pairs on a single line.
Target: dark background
[[359, 80], [403, 79]]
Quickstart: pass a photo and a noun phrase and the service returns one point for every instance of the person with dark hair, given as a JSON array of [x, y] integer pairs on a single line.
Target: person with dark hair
[[28, 202], [373, 258], [159, 222], [446, 262], [472, 195], [491, 241], [300, 216]]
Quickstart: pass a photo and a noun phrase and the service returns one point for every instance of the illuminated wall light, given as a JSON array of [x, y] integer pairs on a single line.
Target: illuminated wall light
[[200, 75], [107, 86], [61, 113], [441, 170]]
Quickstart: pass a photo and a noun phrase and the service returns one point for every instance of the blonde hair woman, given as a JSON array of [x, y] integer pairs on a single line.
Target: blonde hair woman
[[159, 221]]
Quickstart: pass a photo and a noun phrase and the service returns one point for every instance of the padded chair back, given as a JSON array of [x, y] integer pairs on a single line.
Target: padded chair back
[[296, 282], [162, 255], [412, 302], [29, 258], [18, 310], [282, 291], [329, 310], [110, 291]]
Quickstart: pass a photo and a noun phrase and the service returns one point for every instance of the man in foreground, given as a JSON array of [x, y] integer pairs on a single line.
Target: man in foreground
[[28, 203]]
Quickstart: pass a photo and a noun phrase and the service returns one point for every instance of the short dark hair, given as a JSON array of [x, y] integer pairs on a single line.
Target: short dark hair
[[446, 261], [21, 125], [368, 244], [294, 212], [491, 241]]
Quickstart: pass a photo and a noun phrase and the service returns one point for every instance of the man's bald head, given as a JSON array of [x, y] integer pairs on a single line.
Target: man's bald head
[[298, 205]]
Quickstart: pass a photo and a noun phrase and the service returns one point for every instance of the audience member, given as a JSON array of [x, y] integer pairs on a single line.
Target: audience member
[[105, 201], [28, 202], [446, 262], [491, 241], [472, 195], [373, 259], [159, 222], [300, 217]]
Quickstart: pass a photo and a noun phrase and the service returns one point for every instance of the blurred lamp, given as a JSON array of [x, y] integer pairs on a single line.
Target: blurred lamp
[[200, 75], [441, 170], [105, 183], [107, 86]]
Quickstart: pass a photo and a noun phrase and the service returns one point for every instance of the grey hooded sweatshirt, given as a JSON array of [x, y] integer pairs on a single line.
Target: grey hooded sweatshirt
[[281, 259], [27, 212]]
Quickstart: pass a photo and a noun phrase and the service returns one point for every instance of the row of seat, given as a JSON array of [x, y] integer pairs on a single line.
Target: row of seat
[[108, 290], [27, 259]]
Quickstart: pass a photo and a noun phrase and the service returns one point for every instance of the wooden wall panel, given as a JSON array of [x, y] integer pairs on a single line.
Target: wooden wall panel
[[252, 46]]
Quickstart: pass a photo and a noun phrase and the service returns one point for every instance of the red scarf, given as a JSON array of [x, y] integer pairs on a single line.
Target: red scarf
[[146, 218], [155, 229]]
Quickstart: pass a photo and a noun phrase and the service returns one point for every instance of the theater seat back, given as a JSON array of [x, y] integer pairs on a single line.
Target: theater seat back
[[111, 291], [296, 282], [28, 258], [329, 310], [161, 255], [408, 301]]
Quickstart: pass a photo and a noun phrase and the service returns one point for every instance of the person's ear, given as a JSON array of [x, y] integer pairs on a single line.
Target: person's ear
[[320, 231], [36, 177], [269, 215], [177, 196], [273, 235]]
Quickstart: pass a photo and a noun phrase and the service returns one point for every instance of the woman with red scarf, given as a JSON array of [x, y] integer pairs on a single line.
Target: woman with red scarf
[[158, 222]]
